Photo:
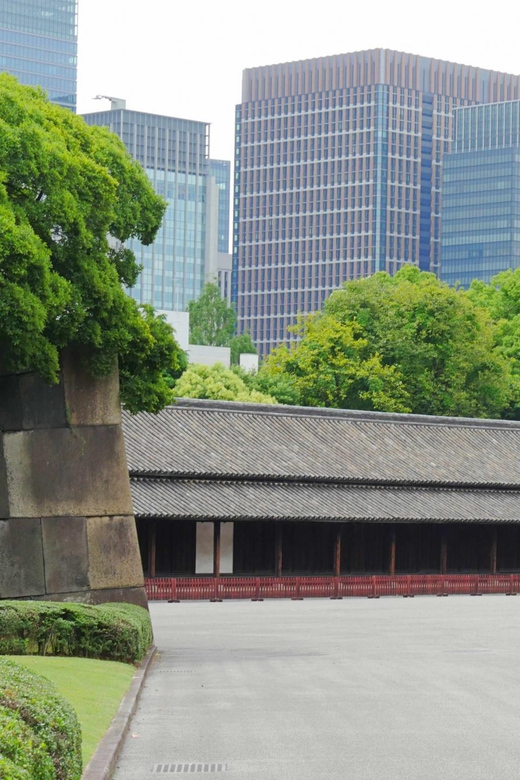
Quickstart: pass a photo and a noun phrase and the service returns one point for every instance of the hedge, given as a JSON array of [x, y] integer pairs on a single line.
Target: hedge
[[115, 632], [39, 730]]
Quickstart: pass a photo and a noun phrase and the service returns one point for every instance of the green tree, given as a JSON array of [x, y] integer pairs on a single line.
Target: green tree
[[280, 386], [217, 383], [241, 345], [212, 321], [70, 196], [407, 342]]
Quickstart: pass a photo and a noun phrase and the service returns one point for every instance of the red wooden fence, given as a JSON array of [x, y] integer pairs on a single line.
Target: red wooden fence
[[406, 585]]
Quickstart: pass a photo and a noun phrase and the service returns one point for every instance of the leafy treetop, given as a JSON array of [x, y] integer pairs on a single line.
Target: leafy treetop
[[217, 383], [70, 195]]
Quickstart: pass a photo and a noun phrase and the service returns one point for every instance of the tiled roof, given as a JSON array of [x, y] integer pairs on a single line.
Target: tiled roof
[[223, 440], [233, 500]]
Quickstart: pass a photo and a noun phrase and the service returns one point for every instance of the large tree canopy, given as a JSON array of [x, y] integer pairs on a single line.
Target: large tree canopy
[[217, 383], [70, 195], [212, 321], [401, 343]]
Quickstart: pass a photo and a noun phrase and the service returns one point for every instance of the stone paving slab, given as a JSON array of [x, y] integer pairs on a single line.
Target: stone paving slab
[[393, 689]]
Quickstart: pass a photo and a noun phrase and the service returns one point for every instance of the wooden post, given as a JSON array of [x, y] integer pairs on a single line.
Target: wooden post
[[278, 553], [337, 551], [493, 551], [392, 552], [444, 551], [216, 549], [152, 544]]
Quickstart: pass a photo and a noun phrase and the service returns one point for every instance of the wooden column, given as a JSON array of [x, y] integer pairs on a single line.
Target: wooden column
[[337, 551], [278, 552], [216, 549], [493, 551], [152, 545], [444, 551], [392, 552]]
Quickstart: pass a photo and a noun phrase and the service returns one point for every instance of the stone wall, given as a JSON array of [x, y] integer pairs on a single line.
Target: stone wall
[[67, 530]]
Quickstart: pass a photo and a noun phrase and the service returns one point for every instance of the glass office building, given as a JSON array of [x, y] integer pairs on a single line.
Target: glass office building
[[38, 45], [481, 194], [220, 170], [338, 175], [175, 155]]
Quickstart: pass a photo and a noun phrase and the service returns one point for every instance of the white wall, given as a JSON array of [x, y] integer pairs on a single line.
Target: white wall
[[180, 322], [208, 356]]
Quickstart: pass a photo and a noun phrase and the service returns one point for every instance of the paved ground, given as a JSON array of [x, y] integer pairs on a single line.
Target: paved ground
[[393, 689]]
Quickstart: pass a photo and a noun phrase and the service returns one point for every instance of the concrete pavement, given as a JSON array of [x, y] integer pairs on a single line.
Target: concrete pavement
[[393, 689]]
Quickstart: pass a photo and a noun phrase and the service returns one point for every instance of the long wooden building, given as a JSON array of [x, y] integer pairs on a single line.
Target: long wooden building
[[227, 488]]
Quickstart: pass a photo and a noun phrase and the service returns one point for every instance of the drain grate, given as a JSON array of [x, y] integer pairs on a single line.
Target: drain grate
[[169, 768]]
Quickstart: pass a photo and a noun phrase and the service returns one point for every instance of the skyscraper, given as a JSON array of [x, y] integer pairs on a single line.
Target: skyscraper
[[481, 194], [338, 174], [175, 155], [39, 43]]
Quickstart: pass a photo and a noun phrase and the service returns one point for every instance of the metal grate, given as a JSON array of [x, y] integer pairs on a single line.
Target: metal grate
[[169, 768]]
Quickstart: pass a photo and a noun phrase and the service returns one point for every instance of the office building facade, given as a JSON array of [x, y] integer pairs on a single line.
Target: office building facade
[[481, 194], [39, 43], [338, 175], [175, 155]]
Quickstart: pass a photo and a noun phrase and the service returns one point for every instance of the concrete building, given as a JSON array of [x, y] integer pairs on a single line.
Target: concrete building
[[481, 194], [187, 251], [39, 45], [247, 489], [338, 175]]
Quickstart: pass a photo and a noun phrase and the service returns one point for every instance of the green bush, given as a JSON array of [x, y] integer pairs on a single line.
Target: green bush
[[34, 701], [10, 771], [115, 632], [23, 747]]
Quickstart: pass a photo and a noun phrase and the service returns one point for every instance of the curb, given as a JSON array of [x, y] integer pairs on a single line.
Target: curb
[[102, 764]]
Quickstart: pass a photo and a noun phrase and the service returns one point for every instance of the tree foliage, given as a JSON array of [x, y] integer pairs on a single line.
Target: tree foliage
[[217, 383], [212, 320], [401, 343], [70, 195], [241, 345]]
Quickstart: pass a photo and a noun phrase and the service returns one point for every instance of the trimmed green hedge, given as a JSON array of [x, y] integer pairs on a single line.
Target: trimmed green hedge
[[114, 632], [39, 731]]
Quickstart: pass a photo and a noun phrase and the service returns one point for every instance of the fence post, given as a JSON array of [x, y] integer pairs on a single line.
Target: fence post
[[336, 595], [257, 591], [173, 591], [215, 598], [374, 594], [297, 596]]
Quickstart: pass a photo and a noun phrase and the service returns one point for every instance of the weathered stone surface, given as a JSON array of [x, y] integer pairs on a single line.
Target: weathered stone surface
[[125, 595], [89, 400], [114, 560], [65, 554], [67, 472], [21, 558], [43, 405], [4, 496], [11, 416]]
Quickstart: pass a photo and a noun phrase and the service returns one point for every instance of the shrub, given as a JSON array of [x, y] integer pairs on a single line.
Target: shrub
[[36, 702], [115, 632], [20, 745], [10, 771]]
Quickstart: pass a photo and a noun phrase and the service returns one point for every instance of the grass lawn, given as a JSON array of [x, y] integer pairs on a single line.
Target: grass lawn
[[94, 688]]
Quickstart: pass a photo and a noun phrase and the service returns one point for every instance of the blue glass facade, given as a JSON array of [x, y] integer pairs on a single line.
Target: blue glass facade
[[174, 154], [481, 194], [221, 172], [38, 45], [338, 175]]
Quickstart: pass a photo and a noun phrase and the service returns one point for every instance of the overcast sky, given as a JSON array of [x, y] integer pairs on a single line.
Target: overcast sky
[[185, 57]]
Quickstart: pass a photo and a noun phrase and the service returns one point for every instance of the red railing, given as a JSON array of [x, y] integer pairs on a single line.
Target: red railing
[[257, 588]]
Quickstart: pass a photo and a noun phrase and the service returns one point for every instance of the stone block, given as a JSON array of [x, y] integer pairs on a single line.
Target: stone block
[[125, 595], [4, 495], [21, 558], [43, 405], [89, 400], [114, 559], [67, 472], [65, 554]]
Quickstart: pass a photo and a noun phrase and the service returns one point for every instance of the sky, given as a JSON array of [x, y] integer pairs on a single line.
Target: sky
[[185, 58]]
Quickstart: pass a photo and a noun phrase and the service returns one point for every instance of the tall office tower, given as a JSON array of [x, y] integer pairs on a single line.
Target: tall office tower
[[337, 175], [175, 155], [220, 171], [481, 194], [39, 45]]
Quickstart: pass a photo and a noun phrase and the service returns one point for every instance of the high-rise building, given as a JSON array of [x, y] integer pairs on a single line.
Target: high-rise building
[[221, 172], [481, 194], [175, 155], [338, 174], [39, 43]]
